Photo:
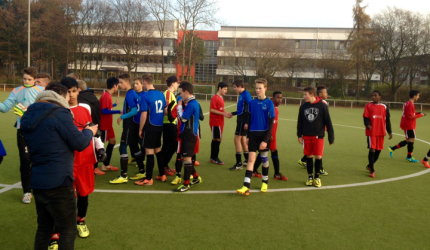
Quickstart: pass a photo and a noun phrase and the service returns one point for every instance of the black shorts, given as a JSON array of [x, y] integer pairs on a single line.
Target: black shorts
[[240, 129], [187, 148], [130, 136], [216, 132], [410, 133], [152, 139], [254, 144]]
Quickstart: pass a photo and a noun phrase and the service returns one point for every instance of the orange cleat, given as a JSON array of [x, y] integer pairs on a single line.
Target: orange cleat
[[97, 171], [196, 163], [280, 177], [257, 174], [425, 163], [169, 172], [372, 175], [162, 178], [144, 182], [109, 168]]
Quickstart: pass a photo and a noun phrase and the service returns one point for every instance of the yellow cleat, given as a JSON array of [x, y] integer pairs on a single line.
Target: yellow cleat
[[309, 182], [317, 182], [264, 187], [131, 160], [83, 231], [244, 191], [119, 180], [177, 180], [138, 176]]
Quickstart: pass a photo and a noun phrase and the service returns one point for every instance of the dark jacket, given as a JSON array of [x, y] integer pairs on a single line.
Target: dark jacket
[[88, 97], [313, 118], [52, 138]]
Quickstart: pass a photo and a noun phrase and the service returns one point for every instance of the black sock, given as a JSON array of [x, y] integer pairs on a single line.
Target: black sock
[[238, 158], [322, 169], [188, 167], [124, 166], [318, 164], [377, 152], [427, 156], [265, 177], [213, 149], [248, 175], [82, 205], [275, 161], [257, 162], [193, 159], [160, 163], [96, 165], [410, 149], [310, 166], [245, 154], [178, 165], [304, 158], [400, 145], [140, 164], [216, 150], [149, 166], [371, 158], [109, 150]]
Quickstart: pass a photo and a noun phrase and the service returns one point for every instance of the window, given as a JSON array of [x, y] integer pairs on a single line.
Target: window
[[111, 74], [330, 45], [336, 44], [221, 61], [305, 82], [308, 45], [342, 45], [86, 58], [222, 42], [297, 45]]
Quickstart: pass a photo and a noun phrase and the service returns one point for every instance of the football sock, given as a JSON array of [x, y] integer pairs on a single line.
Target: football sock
[[149, 166], [193, 159], [426, 158], [304, 158], [265, 178], [55, 236], [410, 149], [238, 158], [124, 166], [188, 166], [247, 181], [245, 154], [377, 152], [321, 169], [275, 161], [400, 145], [82, 205], [109, 150], [257, 162], [318, 164], [213, 149], [96, 165], [216, 150], [178, 165], [140, 164], [371, 158], [160, 163], [310, 166]]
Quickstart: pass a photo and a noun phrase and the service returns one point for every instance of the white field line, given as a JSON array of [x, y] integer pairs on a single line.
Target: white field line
[[9, 187]]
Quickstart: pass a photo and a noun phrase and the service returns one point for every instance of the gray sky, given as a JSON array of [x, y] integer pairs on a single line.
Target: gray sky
[[305, 13]]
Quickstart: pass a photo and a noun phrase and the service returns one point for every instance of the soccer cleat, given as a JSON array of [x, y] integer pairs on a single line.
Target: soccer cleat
[[83, 231], [264, 187], [257, 174], [97, 171], [217, 161], [425, 163], [182, 189], [177, 180], [144, 182], [243, 191], [196, 163], [26, 199], [53, 245], [131, 160], [280, 177], [302, 163], [169, 172], [391, 152], [412, 159], [372, 175], [323, 172], [196, 181], [138, 176], [317, 182], [236, 167], [309, 182], [109, 168], [119, 180], [161, 178], [245, 163], [368, 168]]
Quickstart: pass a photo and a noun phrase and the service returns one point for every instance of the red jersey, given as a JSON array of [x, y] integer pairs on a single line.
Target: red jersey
[[217, 103], [275, 122], [377, 114], [408, 121], [88, 156], [105, 103]]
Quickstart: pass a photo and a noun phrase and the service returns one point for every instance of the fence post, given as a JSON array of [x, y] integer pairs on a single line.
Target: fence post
[[351, 104], [300, 102], [334, 103], [206, 97], [118, 92], [421, 108], [285, 101]]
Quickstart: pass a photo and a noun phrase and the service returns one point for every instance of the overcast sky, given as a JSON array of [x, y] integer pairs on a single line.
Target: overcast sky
[[305, 13]]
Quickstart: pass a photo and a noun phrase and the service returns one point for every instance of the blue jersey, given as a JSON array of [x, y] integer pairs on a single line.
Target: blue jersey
[[260, 111], [154, 103], [189, 129], [242, 105], [136, 118], [131, 101]]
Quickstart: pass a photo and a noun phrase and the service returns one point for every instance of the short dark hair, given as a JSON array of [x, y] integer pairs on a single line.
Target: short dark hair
[[222, 85], [125, 77], [238, 82], [43, 75], [31, 71], [111, 82], [377, 91], [57, 88], [310, 90], [69, 82], [320, 88], [413, 93], [276, 93], [186, 86], [148, 79], [74, 76], [171, 80]]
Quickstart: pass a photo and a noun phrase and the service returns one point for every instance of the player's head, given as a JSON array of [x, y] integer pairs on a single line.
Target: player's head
[[72, 87], [124, 81], [308, 93], [82, 85], [277, 98], [137, 86], [172, 81], [42, 79], [59, 89], [322, 92], [415, 94], [238, 85], [187, 90], [222, 88], [112, 83], [260, 87], [147, 81], [74, 76], [29, 75], [376, 96]]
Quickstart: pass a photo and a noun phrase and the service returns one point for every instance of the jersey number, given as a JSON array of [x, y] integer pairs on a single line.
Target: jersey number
[[159, 106]]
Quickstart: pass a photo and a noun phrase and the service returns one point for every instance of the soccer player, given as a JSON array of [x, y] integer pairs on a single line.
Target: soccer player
[[2, 152], [42, 79], [277, 100], [408, 124], [106, 126], [130, 132], [138, 87], [216, 119], [376, 120], [23, 95], [153, 107], [260, 120], [189, 133], [241, 127], [312, 121], [425, 160]]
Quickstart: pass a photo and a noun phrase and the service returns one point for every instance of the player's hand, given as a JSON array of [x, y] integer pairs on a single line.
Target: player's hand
[[263, 145], [245, 127], [119, 120], [301, 140], [101, 155], [117, 101], [121, 112], [93, 129], [228, 115], [19, 109], [180, 102], [140, 134], [369, 127], [424, 114], [390, 136]]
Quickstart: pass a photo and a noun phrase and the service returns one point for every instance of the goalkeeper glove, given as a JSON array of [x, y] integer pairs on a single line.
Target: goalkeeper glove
[[101, 154], [20, 109]]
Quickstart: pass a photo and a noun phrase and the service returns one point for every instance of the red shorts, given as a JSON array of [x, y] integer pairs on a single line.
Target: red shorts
[[196, 148], [84, 179], [312, 145], [375, 142], [273, 143], [107, 134]]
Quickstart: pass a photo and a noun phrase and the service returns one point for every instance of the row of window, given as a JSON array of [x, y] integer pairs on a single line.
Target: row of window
[[294, 44], [121, 58], [118, 41]]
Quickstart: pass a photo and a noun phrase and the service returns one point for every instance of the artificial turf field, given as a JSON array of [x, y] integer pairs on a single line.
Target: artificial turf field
[[388, 215]]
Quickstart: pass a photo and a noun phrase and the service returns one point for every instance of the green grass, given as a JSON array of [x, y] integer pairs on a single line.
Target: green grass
[[390, 215]]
